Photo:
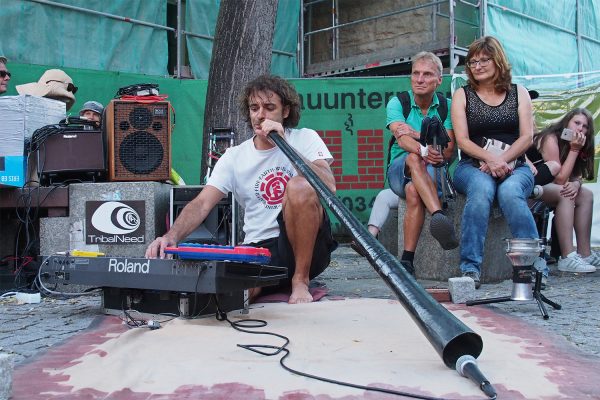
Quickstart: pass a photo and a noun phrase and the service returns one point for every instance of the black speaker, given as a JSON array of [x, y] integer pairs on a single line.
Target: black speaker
[[72, 155], [216, 228], [139, 140]]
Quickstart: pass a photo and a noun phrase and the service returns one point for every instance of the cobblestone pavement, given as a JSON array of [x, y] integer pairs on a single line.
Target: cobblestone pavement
[[26, 329]]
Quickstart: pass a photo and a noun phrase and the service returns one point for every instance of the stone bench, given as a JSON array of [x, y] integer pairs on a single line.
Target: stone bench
[[432, 262], [388, 234]]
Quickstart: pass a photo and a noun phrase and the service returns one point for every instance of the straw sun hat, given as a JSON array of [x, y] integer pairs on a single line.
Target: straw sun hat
[[53, 84]]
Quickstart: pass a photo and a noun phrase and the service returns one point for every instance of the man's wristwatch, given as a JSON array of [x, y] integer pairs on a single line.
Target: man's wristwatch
[[424, 151]]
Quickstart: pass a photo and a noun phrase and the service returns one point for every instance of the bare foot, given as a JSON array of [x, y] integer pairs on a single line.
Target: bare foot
[[300, 293]]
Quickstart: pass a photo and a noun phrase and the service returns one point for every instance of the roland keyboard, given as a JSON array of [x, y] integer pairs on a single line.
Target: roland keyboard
[[192, 276]]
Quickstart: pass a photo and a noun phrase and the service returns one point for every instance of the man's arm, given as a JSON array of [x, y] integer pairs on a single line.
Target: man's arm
[[323, 171], [400, 129], [404, 136], [192, 215]]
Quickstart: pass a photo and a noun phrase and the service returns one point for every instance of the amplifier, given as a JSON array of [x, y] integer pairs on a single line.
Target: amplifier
[[76, 155], [219, 225], [139, 140]]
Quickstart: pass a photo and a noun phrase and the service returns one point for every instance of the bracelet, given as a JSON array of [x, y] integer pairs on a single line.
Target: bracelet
[[424, 151]]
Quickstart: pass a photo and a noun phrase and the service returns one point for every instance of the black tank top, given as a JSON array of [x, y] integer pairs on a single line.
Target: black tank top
[[499, 122]]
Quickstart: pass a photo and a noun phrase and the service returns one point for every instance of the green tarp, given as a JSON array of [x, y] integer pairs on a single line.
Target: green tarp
[[43, 34], [202, 18], [34, 33], [547, 37]]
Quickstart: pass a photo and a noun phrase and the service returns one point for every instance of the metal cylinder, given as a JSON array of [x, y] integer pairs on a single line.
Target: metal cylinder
[[522, 253]]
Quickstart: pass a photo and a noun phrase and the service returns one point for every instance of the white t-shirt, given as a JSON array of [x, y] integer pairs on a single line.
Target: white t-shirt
[[257, 178]]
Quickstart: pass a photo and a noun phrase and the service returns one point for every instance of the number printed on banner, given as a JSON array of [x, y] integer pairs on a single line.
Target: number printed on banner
[[357, 203]]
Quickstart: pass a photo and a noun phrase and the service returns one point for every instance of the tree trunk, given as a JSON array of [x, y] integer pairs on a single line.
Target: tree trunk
[[241, 52]]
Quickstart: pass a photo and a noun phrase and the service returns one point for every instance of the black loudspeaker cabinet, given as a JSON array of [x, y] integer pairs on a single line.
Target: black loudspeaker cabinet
[[72, 155], [139, 140], [217, 228]]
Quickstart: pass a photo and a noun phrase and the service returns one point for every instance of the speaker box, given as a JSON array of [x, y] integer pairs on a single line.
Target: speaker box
[[217, 228], [139, 140], [76, 155]]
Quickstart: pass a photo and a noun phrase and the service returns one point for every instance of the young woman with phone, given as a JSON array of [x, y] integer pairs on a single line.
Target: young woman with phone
[[573, 203]]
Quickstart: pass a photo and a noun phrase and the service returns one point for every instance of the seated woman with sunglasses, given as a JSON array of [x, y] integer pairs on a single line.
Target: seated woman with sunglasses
[[491, 107], [53, 84], [4, 75]]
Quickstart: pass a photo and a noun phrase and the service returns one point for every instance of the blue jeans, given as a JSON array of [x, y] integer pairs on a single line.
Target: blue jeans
[[398, 179], [481, 189]]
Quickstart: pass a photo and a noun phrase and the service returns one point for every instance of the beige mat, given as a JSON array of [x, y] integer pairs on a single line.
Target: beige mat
[[364, 341]]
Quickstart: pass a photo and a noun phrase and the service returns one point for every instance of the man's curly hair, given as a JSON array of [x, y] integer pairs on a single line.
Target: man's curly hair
[[281, 87]]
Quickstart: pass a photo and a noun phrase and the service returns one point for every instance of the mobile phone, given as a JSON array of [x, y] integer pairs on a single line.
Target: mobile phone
[[567, 134]]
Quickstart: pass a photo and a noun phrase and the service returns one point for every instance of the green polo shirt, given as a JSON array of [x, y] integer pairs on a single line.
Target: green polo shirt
[[415, 118]]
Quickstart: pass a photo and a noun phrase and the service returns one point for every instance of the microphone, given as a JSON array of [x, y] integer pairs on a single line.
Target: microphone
[[467, 366]]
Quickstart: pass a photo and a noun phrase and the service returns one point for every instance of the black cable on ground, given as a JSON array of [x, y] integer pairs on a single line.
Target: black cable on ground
[[246, 324]]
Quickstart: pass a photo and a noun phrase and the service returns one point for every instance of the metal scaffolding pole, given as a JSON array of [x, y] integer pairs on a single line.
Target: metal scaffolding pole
[[451, 49], [103, 14], [179, 39]]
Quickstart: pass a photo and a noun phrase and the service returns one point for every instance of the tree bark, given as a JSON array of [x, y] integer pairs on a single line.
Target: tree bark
[[241, 52]]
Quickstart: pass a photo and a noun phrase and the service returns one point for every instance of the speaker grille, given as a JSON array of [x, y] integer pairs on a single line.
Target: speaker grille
[[140, 145], [140, 118], [141, 153]]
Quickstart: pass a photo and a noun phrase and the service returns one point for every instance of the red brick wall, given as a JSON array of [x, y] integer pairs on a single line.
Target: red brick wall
[[371, 159]]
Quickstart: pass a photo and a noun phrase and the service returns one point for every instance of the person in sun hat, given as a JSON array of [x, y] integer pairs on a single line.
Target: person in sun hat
[[4, 75], [53, 84]]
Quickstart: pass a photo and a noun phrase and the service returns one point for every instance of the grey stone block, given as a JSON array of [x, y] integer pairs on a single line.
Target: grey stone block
[[54, 235], [388, 235], [156, 203], [461, 289], [6, 368], [433, 262]]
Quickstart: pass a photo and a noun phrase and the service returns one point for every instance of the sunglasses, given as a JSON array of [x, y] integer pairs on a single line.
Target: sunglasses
[[4, 74], [70, 87]]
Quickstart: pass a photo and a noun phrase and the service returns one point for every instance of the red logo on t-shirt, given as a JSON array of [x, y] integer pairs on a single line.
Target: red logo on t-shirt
[[272, 187]]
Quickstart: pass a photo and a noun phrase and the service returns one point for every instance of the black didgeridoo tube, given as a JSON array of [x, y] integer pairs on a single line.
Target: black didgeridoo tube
[[447, 334]]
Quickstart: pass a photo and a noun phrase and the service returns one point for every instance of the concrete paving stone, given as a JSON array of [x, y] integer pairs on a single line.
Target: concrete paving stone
[[6, 367], [461, 289]]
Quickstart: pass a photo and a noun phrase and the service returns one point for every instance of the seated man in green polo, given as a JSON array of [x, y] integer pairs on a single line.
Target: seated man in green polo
[[411, 171]]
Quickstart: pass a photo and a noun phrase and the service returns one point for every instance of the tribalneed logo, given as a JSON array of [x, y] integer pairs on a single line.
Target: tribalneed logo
[[115, 222]]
